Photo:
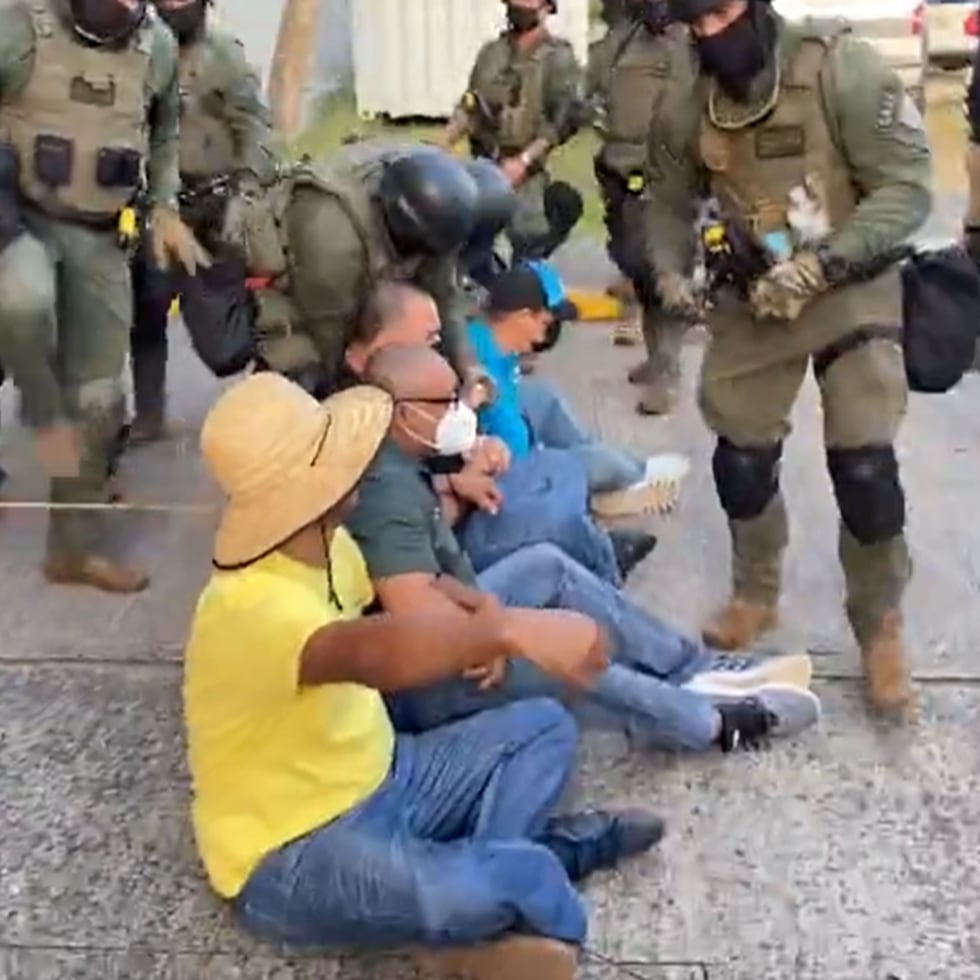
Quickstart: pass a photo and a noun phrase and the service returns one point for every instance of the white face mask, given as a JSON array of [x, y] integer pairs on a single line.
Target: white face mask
[[457, 431]]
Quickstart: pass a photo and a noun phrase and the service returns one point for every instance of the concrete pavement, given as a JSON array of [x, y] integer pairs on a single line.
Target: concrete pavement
[[850, 854]]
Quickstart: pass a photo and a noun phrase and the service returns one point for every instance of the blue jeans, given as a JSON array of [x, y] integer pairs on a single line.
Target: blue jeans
[[444, 853], [546, 498], [554, 426], [639, 693]]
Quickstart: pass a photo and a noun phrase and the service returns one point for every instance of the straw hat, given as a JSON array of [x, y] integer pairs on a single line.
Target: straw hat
[[283, 459]]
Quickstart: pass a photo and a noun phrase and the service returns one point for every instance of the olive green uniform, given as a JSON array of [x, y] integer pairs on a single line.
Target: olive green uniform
[[224, 129], [842, 120], [82, 120], [324, 242], [515, 97], [630, 69]]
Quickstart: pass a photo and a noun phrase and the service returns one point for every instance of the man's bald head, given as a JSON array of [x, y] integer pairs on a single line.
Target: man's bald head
[[425, 388]]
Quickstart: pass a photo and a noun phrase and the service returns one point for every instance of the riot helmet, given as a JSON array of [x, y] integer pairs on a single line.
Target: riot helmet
[[429, 202], [496, 200], [185, 18], [653, 14], [106, 22]]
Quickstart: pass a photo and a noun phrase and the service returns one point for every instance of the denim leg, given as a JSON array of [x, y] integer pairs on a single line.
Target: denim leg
[[555, 427], [545, 499], [442, 853], [649, 659]]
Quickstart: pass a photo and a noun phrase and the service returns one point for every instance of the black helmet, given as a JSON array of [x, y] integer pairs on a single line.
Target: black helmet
[[106, 22], [429, 202], [496, 199]]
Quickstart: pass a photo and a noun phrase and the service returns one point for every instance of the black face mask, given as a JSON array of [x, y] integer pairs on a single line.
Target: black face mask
[[186, 22], [105, 22], [655, 17], [736, 55], [522, 19]]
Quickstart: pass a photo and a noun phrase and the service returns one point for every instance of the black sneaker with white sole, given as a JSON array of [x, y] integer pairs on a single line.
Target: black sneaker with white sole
[[770, 712]]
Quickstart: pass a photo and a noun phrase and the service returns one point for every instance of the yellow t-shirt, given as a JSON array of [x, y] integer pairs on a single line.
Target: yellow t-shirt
[[269, 760]]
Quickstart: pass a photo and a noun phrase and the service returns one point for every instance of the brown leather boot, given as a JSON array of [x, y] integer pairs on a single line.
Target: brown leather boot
[[738, 625], [97, 572], [886, 676], [148, 429], [510, 958]]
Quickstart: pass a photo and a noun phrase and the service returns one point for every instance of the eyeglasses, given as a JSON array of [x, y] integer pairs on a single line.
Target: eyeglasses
[[452, 399]]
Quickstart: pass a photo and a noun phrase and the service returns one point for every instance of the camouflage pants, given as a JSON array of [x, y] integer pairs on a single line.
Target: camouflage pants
[[65, 312], [747, 400], [626, 245]]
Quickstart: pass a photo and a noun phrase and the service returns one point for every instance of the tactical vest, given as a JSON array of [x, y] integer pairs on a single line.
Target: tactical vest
[[207, 145], [513, 88], [80, 122], [637, 76], [755, 158]]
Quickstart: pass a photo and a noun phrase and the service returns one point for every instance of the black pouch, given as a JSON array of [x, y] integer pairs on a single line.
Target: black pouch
[[118, 167], [941, 318], [54, 160]]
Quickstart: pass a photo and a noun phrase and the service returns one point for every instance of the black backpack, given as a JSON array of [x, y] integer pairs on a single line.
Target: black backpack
[[941, 317]]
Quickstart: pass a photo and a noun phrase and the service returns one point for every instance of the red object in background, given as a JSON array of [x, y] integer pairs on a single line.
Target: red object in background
[[257, 282], [918, 16], [971, 24]]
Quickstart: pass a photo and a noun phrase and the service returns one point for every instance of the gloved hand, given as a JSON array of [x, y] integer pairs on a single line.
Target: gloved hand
[[172, 239], [677, 295], [785, 290]]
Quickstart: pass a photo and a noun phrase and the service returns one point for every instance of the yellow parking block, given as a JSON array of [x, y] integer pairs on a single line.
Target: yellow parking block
[[596, 306]]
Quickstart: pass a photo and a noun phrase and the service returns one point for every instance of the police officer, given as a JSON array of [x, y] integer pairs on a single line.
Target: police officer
[[324, 235], [629, 68], [224, 129], [525, 97], [819, 156], [88, 97]]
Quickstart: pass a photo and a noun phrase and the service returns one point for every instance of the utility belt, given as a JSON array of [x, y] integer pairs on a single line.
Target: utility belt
[[631, 181]]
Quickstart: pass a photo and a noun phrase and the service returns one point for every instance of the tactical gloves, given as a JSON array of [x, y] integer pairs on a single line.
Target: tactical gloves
[[174, 241], [785, 290]]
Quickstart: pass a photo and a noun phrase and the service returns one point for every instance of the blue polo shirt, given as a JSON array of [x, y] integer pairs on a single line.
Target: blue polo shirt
[[503, 418]]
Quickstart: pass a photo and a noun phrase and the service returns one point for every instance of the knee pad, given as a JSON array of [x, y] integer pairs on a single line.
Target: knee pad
[[869, 494], [746, 477], [562, 206]]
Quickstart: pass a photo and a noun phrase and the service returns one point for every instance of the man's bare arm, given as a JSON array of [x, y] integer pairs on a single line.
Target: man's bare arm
[[401, 651]]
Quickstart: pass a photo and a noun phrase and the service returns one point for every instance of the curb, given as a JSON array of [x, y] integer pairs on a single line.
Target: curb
[[594, 306]]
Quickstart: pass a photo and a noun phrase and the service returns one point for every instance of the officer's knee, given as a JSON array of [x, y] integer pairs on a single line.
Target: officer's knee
[[869, 492], [563, 206], [101, 401], [27, 284], [746, 477]]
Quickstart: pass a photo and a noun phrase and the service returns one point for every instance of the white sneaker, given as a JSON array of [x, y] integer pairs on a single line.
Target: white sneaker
[[739, 677]]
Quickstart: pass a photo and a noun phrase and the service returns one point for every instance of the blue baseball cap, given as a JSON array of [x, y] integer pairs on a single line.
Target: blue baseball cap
[[532, 285]]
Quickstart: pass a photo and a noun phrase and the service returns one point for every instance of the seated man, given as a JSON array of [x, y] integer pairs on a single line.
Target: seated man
[[314, 818], [521, 306], [661, 687], [541, 498]]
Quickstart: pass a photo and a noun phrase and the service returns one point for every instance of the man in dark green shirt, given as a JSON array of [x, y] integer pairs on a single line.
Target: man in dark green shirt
[[662, 688]]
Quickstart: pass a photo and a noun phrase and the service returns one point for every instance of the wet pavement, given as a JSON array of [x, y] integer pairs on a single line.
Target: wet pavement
[[852, 853]]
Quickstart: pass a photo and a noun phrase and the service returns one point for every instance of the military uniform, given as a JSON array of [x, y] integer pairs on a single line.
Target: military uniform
[[630, 68], [515, 97], [324, 243], [76, 118], [836, 120], [224, 129]]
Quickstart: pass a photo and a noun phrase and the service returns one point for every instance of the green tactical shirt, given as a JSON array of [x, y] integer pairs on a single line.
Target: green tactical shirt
[[162, 92], [881, 134], [327, 276], [398, 522], [235, 93], [494, 80]]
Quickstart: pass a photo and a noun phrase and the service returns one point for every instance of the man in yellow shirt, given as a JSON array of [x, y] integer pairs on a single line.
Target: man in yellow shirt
[[312, 816]]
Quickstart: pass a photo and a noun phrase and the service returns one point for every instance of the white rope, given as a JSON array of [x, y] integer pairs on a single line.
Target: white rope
[[133, 506]]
